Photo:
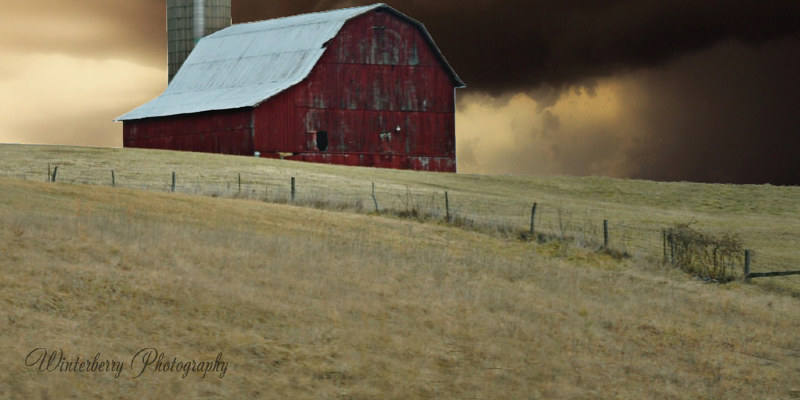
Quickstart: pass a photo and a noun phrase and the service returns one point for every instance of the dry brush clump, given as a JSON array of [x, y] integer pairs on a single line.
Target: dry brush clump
[[710, 257]]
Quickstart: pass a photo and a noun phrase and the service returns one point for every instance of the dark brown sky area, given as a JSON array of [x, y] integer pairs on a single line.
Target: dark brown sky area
[[667, 90]]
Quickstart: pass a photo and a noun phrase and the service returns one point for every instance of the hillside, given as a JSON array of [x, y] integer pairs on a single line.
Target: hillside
[[767, 218], [310, 303]]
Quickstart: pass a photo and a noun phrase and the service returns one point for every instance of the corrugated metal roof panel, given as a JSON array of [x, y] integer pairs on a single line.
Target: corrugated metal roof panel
[[245, 64]]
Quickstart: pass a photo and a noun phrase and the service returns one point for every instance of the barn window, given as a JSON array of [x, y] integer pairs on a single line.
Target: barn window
[[322, 140]]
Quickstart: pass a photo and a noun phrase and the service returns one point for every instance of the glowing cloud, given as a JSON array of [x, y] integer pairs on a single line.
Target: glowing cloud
[[578, 134], [58, 99]]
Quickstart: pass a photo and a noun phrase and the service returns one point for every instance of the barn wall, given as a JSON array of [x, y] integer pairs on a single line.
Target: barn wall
[[378, 74], [275, 125], [227, 132], [396, 161]]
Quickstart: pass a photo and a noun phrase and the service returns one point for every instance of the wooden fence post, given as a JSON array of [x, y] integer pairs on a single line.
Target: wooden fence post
[[49, 173], [747, 265], [447, 207], [293, 189], [240, 183], [605, 233], [113, 179], [671, 240], [374, 199], [55, 172], [533, 218], [173, 181]]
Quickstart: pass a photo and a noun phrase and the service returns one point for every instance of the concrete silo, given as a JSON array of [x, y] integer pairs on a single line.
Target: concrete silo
[[190, 20]]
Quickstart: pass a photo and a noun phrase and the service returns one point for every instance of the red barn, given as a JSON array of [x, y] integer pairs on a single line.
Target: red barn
[[358, 86]]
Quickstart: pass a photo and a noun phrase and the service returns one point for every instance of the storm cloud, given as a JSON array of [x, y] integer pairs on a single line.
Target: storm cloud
[[668, 90], [504, 45]]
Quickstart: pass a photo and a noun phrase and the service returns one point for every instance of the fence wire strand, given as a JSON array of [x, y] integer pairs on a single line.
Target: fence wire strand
[[583, 227]]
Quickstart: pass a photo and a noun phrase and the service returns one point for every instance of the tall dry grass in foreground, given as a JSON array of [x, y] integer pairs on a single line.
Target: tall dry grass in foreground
[[314, 304]]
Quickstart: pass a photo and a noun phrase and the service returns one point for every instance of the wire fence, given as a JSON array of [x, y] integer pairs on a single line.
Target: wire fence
[[484, 212]]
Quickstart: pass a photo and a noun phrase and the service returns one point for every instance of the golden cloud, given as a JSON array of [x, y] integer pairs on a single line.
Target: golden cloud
[[58, 99]]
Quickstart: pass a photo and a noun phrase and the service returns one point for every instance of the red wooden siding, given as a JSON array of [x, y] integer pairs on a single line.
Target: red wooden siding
[[422, 163], [378, 74], [275, 125], [376, 131], [381, 38], [227, 132]]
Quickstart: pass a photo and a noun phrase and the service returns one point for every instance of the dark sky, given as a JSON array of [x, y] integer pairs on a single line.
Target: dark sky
[[668, 90], [505, 45]]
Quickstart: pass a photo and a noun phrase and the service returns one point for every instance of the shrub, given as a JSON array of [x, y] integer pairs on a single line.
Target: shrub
[[707, 256]]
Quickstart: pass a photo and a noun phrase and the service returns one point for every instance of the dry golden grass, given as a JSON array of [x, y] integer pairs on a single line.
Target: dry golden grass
[[308, 303], [767, 218]]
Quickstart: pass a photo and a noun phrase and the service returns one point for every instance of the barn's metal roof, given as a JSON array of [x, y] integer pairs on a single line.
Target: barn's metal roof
[[245, 64]]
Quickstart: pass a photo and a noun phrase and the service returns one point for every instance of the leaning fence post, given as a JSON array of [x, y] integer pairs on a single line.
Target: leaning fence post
[[173, 181], [605, 233], [293, 189], [55, 172], [747, 265], [533, 218], [374, 199], [447, 207], [113, 179]]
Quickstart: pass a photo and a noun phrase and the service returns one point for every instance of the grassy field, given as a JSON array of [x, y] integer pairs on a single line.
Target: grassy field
[[767, 218], [310, 303]]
